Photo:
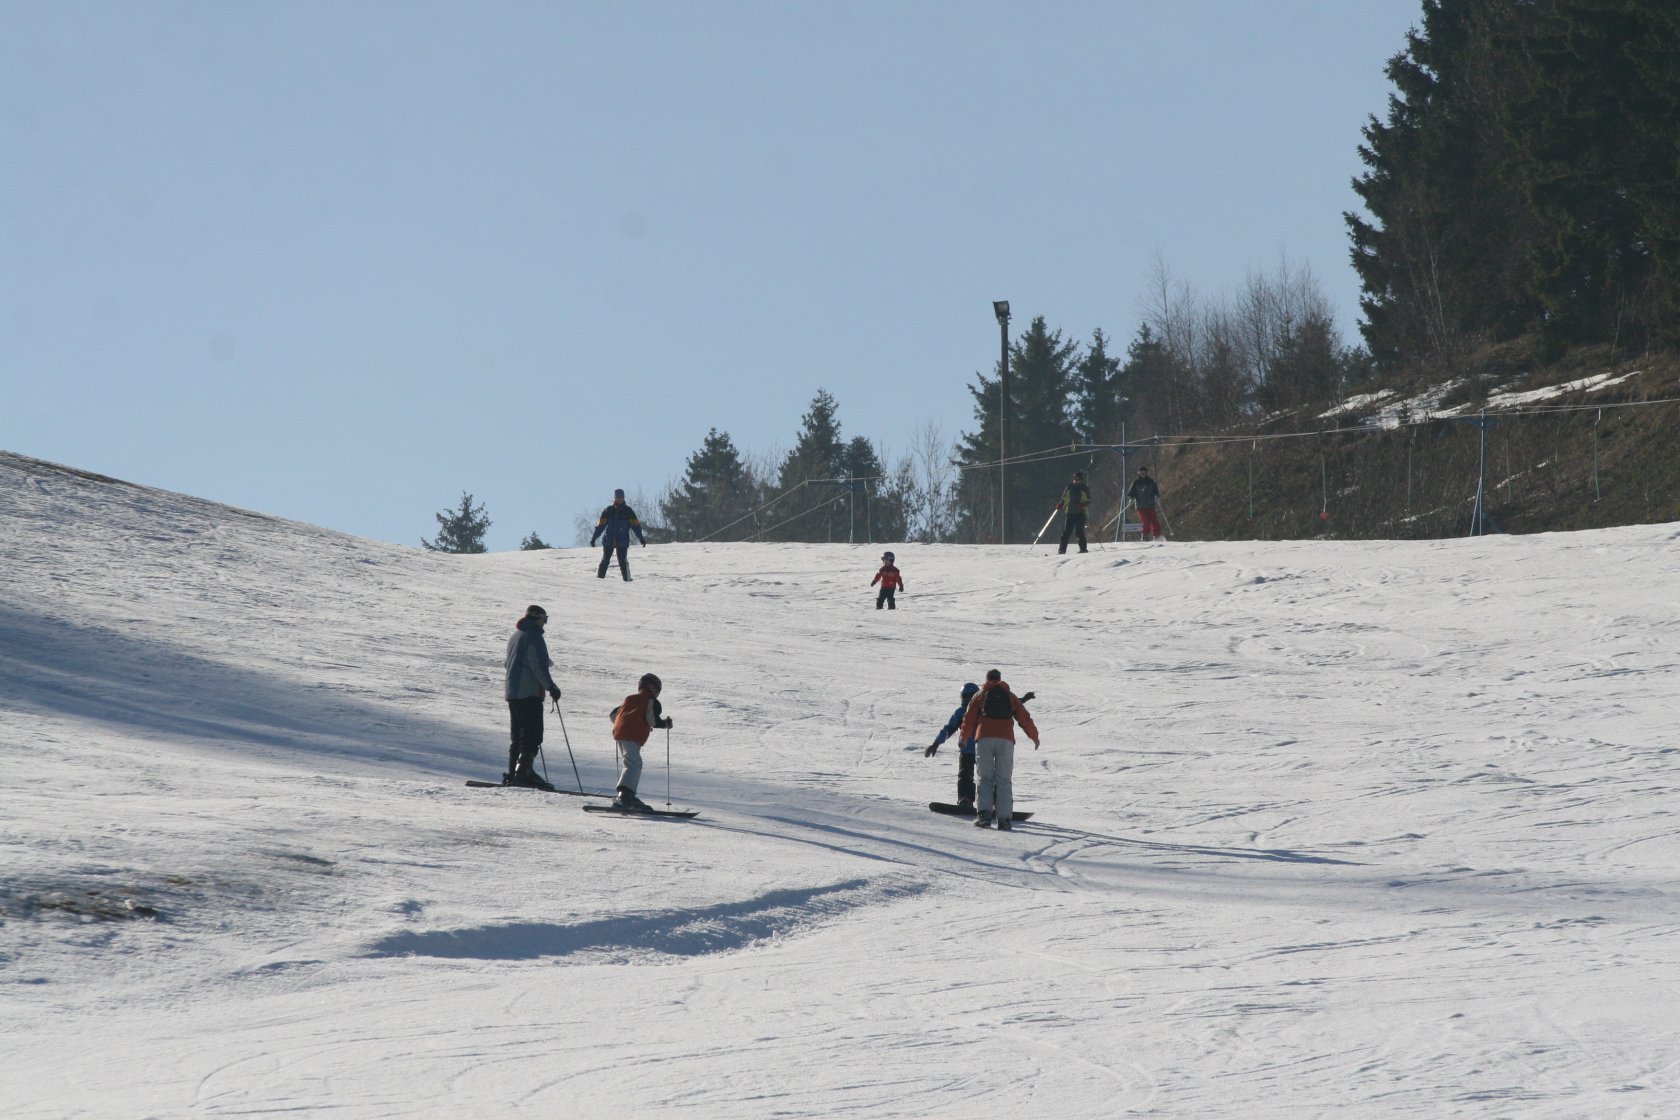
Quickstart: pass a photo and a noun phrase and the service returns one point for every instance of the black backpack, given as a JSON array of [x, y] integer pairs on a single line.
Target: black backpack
[[998, 704]]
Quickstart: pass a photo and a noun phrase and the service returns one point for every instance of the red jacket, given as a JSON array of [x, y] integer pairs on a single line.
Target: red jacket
[[889, 578], [977, 725]]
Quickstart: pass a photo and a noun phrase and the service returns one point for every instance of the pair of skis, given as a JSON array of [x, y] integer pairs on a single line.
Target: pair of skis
[[611, 809], [943, 807]]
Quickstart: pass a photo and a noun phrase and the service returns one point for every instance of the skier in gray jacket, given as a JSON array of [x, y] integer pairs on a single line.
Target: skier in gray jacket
[[528, 677]]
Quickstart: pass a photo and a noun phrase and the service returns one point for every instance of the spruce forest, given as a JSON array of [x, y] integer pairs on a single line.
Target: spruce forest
[[1518, 251]]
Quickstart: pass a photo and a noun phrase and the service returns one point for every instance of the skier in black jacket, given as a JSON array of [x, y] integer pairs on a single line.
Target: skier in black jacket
[[1074, 500]]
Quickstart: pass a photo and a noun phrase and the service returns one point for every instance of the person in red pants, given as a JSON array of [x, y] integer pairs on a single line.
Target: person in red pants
[[1145, 494]]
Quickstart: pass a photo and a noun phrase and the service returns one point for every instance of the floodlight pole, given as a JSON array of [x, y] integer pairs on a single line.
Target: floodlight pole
[[1001, 309]]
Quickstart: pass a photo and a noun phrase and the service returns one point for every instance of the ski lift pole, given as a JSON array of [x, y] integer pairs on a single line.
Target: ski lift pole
[[568, 740]]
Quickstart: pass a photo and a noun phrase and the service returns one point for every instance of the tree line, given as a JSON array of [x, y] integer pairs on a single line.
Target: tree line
[[1524, 182]]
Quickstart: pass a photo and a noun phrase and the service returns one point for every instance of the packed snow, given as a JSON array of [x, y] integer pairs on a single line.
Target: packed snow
[[1371, 829]]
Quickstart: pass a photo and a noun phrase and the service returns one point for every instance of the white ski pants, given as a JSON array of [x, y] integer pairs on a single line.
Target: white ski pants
[[994, 759]]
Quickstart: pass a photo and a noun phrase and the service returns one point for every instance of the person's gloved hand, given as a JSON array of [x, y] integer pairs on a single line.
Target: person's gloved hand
[[554, 694], [932, 749], [668, 723]]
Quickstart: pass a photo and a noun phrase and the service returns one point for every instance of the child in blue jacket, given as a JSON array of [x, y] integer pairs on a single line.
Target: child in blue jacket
[[965, 750]]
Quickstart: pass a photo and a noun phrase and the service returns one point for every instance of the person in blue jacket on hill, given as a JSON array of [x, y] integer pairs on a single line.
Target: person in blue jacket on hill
[[617, 522], [965, 749]]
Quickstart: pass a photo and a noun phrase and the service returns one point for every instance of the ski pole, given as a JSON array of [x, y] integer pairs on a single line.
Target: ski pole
[[1045, 527], [667, 768], [568, 740], [1163, 512]]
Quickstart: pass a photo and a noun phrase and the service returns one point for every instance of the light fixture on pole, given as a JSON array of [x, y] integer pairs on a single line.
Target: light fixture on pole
[[1001, 309]]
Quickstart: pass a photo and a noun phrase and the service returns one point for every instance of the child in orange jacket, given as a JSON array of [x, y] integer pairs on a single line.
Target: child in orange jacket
[[633, 722], [890, 580]]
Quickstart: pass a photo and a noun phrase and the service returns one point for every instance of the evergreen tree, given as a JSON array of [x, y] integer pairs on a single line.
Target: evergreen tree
[[879, 501], [1147, 376], [717, 494], [1442, 261], [1041, 382], [817, 511], [461, 529], [1595, 132], [1099, 406], [533, 543]]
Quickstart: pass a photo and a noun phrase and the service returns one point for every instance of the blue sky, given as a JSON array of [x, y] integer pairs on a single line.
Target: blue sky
[[342, 261]]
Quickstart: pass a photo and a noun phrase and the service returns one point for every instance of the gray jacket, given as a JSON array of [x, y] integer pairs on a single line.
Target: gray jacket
[[527, 663]]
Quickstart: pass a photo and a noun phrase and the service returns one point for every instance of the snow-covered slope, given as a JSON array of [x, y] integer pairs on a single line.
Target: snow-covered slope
[[1358, 829]]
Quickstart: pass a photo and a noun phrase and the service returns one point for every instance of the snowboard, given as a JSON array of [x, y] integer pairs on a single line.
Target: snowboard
[[614, 810], [951, 810], [567, 792]]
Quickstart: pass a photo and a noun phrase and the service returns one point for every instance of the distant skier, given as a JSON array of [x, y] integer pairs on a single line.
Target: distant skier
[[613, 529], [1145, 494], [890, 579], [633, 721], [1075, 498], [990, 723], [528, 677]]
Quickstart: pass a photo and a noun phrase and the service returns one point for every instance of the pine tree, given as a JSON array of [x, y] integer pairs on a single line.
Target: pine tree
[[812, 512], [532, 543], [1041, 381], [460, 530], [717, 494], [1443, 260], [1099, 405]]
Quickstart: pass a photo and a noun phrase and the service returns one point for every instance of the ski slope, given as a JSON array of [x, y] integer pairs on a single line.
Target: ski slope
[[1366, 829]]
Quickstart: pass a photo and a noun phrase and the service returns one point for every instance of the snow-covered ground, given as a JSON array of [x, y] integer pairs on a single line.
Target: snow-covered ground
[[1323, 829]]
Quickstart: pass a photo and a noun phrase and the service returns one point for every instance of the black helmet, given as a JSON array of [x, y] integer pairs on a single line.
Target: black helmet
[[969, 690], [649, 683], [1079, 476], [886, 556]]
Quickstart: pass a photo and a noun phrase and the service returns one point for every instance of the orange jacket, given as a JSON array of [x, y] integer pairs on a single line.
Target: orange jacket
[[635, 719], [976, 725], [888, 577]]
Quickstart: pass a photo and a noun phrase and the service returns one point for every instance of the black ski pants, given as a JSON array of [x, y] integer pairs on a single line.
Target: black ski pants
[[965, 777], [885, 598], [525, 719], [623, 548], [1075, 524]]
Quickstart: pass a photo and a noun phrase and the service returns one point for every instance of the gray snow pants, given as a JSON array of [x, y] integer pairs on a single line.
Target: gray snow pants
[[629, 764], [995, 759]]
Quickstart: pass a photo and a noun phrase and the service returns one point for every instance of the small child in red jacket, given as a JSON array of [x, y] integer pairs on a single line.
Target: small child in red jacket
[[890, 580]]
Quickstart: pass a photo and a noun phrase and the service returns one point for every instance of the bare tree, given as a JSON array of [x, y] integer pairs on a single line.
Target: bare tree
[[933, 485]]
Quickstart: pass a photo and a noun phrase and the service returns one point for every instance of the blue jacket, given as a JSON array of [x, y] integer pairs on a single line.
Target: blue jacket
[[950, 729], [618, 521], [527, 663]]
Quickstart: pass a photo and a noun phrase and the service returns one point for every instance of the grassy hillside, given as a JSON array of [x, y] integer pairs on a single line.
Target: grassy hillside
[[1560, 456]]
